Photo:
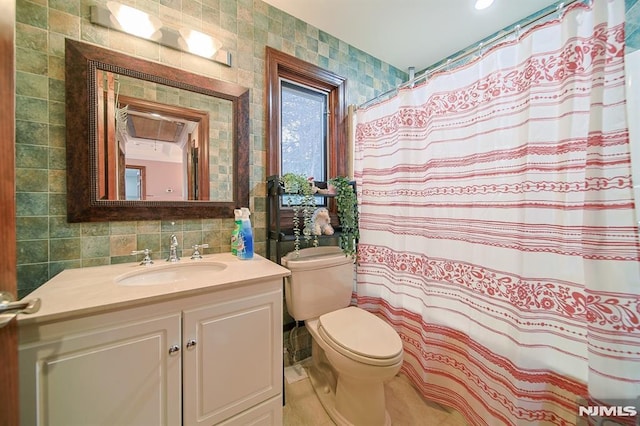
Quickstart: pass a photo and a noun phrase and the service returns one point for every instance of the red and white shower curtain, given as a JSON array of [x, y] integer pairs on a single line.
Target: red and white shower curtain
[[497, 225]]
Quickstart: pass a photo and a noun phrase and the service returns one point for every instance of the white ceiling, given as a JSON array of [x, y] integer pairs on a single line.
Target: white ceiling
[[407, 33]]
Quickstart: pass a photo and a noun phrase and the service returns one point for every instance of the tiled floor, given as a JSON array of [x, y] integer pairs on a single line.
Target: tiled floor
[[406, 407]]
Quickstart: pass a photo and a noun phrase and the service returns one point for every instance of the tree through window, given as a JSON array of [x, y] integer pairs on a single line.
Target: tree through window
[[306, 110]]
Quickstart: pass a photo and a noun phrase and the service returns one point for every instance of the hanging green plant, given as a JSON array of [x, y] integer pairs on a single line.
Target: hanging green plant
[[347, 205], [299, 195]]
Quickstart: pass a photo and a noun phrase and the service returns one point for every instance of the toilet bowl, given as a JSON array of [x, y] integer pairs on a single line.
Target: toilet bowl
[[353, 351], [364, 352]]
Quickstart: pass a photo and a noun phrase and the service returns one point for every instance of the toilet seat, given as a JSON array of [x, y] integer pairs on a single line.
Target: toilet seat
[[361, 336]]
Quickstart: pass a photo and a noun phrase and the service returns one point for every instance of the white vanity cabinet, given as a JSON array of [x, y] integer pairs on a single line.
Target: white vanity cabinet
[[117, 374], [213, 357], [233, 359]]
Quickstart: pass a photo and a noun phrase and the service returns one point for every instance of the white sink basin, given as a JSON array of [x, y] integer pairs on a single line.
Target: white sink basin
[[170, 274]]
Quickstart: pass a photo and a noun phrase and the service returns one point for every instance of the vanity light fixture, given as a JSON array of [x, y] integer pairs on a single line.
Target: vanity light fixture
[[132, 21], [199, 43], [483, 4]]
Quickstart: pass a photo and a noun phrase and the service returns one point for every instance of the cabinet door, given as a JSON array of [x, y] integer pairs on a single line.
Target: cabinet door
[[236, 362], [268, 413], [118, 375]]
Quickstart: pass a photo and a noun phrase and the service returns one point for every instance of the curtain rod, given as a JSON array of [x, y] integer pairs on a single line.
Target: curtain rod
[[455, 58]]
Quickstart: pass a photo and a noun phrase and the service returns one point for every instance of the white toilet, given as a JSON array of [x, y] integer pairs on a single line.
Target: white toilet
[[353, 351]]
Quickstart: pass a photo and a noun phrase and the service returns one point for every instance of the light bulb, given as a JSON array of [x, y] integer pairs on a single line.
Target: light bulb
[[199, 43], [134, 21], [483, 4]]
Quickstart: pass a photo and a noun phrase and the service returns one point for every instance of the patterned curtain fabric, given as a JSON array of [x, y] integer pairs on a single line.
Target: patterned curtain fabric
[[497, 225]]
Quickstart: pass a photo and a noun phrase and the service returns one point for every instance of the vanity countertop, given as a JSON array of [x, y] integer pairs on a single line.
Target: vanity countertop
[[92, 290]]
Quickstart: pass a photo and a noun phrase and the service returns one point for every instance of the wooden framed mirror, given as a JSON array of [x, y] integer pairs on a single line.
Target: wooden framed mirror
[[188, 132]]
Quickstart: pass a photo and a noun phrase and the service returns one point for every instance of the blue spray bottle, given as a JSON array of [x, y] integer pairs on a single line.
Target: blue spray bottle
[[246, 234], [235, 235]]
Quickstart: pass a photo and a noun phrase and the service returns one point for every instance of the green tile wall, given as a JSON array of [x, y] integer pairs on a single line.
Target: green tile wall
[[46, 243], [632, 27]]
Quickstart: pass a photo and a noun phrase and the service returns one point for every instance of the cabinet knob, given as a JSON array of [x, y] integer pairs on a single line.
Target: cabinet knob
[[191, 343], [174, 349]]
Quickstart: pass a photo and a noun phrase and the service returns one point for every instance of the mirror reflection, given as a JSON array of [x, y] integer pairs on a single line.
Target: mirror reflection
[[162, 143], [181, 139]]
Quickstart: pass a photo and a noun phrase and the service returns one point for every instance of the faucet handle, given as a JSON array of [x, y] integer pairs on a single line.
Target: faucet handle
[[196, 251], [147, 258]]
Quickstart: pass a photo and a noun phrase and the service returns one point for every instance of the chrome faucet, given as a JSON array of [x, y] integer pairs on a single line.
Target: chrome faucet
[[147, 256], [173, 250], [196, 251]]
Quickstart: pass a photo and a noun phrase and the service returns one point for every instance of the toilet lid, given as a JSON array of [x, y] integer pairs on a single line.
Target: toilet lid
[[362, 333]]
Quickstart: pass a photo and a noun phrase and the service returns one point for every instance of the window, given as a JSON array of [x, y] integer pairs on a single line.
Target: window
[[303, 131], [306, 118]]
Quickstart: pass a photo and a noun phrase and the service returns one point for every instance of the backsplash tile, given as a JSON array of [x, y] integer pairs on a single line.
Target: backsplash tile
[[65, 248], [64, 23], [58, 205], [28, 132], [32, 156], [68, 6], [31, 180], [95, 229], [32, 85], [34, 251], [59, 228], [93, 247], [57, 159], [35, 15], [122, 228], [57, 181], [29, 60], [32, 203], [149, 241], [57, 139], [31, 275], [32, 109], [122, 245], [146, 227], [95, 261]]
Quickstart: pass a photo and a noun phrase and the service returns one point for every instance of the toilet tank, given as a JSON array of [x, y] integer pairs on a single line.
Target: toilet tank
[[321, 281]]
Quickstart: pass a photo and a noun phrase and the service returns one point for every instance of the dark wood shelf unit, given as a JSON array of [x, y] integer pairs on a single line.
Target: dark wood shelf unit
[[280, 221]]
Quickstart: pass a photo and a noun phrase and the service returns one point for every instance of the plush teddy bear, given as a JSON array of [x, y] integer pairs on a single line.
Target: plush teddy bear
[[321, 222]]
